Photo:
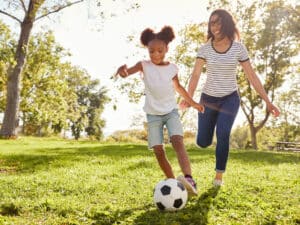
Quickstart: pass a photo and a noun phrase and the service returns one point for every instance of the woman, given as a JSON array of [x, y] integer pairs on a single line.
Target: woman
[[222, 53]]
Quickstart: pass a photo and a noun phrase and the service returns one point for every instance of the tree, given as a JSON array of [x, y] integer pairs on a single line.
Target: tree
[[45, 95], [272, 45], [91, 101], [35, 10]]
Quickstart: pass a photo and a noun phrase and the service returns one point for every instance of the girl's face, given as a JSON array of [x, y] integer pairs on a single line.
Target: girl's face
[[215, 26], [157, 50]]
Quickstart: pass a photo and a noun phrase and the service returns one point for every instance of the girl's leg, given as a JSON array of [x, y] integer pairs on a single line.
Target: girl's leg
[[183, 159], [184, 162], [175, 132], [163, 161], [226, 117]]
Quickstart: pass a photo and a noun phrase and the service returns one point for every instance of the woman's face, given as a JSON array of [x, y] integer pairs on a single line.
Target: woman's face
[[215, 25]]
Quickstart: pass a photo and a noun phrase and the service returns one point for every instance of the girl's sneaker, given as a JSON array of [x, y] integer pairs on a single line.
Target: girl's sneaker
[[189, 184], [218, 183]]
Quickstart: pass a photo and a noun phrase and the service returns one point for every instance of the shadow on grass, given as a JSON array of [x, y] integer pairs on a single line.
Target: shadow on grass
[[195, 213], [44, 158], [251, 156]]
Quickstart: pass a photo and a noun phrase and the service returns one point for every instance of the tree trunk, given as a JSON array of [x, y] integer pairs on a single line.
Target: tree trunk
[[9, 125], [253, 132]]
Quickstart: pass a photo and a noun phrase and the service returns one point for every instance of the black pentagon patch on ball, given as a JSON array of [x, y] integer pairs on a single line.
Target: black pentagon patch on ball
[[165, 190], [181, 186], [160, 206], [178, 203]]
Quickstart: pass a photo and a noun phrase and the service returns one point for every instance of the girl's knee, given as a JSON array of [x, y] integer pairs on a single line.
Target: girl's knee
[[176, 139], [158, 150]]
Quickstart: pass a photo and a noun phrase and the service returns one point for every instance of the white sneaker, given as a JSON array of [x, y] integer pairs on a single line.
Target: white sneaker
[[218, 183], [189, 184]]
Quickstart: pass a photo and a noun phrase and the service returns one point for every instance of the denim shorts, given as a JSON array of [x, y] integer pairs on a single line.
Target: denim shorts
[[156, 125]]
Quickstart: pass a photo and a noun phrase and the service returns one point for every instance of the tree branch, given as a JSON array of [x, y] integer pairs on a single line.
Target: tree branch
[[262, 123], [23, 5], [11, 16], [58, 9]]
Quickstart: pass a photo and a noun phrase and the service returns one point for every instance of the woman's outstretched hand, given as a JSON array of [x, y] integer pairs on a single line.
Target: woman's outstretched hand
[[273, 109]]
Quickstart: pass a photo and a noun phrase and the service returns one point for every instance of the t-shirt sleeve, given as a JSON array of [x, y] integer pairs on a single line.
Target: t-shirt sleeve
[[175, 70], [202, 52], [243, 53]]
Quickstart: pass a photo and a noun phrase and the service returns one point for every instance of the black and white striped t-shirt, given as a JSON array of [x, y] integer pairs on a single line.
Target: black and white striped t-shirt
[[222, 68]]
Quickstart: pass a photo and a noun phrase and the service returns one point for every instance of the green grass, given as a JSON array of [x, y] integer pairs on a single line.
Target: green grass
[[52, 181]]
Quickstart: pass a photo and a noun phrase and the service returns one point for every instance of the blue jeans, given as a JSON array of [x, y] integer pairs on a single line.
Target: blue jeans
[[220, 113]]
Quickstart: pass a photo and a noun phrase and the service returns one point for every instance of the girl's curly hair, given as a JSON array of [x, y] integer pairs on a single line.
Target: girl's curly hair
[[166, 34]]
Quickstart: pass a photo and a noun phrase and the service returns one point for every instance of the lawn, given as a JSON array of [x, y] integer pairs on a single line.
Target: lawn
[[53, 181]]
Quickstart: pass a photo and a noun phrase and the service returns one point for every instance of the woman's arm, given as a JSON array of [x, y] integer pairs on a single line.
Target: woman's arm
[[123, 71], [255, 82], [195, 76], [193, 81], [185, 95]]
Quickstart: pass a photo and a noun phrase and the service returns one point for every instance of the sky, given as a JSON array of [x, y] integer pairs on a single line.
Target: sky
[[101, 46]]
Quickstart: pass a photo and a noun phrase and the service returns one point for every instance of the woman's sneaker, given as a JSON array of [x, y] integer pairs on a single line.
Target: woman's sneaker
[[189, 184], [218, 183]]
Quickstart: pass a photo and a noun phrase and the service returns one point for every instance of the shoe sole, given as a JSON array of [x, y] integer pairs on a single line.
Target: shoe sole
[[190, 189]]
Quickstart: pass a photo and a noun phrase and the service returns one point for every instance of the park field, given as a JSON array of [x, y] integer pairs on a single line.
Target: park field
[[65, 182]]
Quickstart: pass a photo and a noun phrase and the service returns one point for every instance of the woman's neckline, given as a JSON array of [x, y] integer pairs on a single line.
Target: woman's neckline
[[223, 52]]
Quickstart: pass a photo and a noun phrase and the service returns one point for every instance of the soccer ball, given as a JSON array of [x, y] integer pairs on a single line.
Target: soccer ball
[[170, 195]]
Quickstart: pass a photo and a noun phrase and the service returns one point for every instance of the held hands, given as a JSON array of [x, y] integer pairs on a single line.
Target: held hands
[[122, 71], [184, 104], [199, 107]]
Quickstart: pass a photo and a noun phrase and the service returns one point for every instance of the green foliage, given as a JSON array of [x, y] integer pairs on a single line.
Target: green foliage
[[6, 58], [239, 137], [269, 43], [55, 95], [67, 182]]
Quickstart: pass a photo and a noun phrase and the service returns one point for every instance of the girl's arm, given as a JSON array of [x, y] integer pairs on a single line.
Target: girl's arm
[[255, 82], [123, 71], [185, 95]]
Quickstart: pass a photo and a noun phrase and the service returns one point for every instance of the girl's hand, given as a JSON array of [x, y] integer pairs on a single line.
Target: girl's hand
[[122, 71], [183, 105], [199, 107], [273, 109]]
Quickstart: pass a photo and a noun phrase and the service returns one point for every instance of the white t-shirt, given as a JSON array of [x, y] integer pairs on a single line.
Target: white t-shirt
[[221, 68], [159, 89]]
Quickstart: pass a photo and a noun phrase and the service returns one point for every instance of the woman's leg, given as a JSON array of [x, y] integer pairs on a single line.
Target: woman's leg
[[226, 117], [206, 127], [163, 161]]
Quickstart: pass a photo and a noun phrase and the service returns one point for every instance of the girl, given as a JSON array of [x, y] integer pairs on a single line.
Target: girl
[[160, 78], [221, 53]]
